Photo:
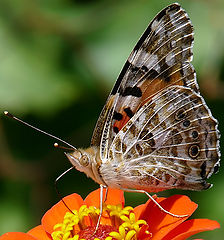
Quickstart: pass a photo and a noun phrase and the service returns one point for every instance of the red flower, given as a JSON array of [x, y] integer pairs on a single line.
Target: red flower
[[145, 221]]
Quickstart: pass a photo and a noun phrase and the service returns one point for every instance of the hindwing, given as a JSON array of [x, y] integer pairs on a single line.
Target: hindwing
[[171, 142]]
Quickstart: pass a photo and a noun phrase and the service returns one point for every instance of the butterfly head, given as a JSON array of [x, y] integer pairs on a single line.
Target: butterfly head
[[78, 159], [84, 161]]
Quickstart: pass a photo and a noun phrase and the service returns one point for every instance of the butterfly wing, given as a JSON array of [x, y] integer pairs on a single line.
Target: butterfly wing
[[171, 142], [160, 59]]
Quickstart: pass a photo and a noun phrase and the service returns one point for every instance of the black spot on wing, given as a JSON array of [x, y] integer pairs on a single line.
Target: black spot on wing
[[165, 69], [142, 69], [186, 123], [167, 79], [116, 130], [134, 69], [203, 170], [129, 112], [145, 69], [152, 74], [164, 72], [132, 91], [194, 134], [194, 151], [180, 114], [117, 116]]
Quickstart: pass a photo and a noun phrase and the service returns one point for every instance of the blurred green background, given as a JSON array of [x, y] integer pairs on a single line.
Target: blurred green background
[[58, 61]]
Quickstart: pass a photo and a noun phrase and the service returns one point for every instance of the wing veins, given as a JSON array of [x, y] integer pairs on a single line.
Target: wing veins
[[162, 45], [154, 115]]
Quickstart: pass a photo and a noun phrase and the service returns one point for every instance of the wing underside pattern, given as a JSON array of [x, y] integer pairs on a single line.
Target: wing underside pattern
[[155, 131], [171, 142]]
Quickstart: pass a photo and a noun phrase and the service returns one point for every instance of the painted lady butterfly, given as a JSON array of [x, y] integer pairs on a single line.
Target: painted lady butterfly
[[155, 131]]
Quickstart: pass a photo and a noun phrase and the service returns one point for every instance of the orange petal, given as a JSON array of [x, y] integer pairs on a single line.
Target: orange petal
[[144, 234], [17, 236], [142, 208], [56, 213], [161, 223], [39, 233], [138, 210], [114, 197], [191, 227]]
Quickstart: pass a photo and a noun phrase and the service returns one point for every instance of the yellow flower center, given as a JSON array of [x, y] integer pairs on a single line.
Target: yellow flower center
[[117, 223]]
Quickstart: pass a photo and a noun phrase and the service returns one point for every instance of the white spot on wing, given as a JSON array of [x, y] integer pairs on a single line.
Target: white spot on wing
[[173, 43], [170, 59], [154, 25]]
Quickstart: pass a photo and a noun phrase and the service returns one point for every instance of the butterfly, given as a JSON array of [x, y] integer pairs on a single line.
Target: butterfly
[[155, 131]]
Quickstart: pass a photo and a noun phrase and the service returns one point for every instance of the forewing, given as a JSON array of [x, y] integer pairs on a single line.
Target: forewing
[[161, 58], [171, 142]]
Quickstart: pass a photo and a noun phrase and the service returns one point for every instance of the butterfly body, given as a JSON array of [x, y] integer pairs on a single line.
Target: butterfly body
[[155, 131]]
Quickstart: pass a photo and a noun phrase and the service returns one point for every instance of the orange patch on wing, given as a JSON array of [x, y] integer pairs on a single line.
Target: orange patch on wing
[[119, 124], [151, 87]]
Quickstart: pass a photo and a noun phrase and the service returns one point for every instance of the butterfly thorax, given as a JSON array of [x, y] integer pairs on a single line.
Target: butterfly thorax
[[87, 161]]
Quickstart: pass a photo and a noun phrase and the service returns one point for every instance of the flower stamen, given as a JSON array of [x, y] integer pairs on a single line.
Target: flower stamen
[[81, 224]]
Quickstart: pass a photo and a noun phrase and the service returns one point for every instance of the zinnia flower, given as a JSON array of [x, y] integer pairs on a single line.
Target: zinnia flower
[[146, 222]]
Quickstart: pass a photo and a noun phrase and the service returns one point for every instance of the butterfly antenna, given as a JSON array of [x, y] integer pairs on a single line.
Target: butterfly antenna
[[39, 130], [56, 145]]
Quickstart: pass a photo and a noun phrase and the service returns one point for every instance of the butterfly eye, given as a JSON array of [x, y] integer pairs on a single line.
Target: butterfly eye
[[84, 161]]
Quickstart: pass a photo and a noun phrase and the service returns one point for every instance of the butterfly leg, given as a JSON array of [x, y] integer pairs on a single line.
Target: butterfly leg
[[105, 198], [101, 205], [157, 204]]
